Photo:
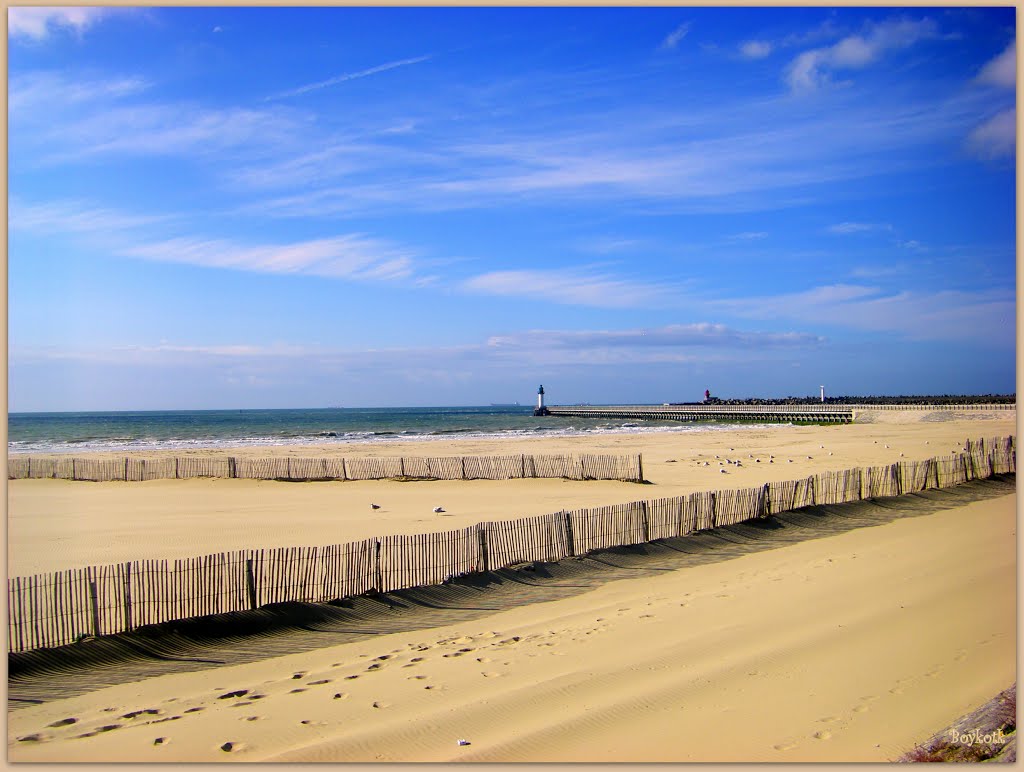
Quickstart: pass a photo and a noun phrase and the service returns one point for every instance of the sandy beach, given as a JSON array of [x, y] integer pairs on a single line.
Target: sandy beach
[[57, 524], [849, 646]]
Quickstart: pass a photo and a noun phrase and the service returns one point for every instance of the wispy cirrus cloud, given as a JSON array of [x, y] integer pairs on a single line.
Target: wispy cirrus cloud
[[674, 335], [676, 36], [813, 69], [353, 256], [920, 315], [349, 76], [38, 23], [845, 228], [578, 286], [57, 117]]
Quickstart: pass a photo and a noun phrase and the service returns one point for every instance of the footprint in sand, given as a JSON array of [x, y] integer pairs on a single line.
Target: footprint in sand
[[488, 674], [513, 639], [146, 712], [321, 682], [647, 616], [230, 747], [483, 659], [351, 677], [37, 738], [239, 693], [374, 666], [252, 718], [785, 746], [824, 734], [416, 678], [64, 722], [896, 690], [827, 720], [296, 691], [160, 741], [195, 710]]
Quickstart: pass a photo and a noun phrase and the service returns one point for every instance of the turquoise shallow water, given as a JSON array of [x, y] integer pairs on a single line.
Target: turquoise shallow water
[[173, 429]]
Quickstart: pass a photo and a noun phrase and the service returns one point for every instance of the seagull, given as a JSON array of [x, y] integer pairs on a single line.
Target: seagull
[[757, 461], [810, 457], [438, 509], [375, 506], [722, 471]]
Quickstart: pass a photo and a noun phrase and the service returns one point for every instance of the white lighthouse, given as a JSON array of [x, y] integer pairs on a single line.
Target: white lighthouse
[[540, 409], [822, 393]]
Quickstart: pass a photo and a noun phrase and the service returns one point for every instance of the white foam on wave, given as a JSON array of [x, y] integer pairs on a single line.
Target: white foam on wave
[[345, 438]]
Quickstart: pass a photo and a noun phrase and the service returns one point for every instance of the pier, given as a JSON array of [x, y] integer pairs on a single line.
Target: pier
[[797, 414], [817, 414]]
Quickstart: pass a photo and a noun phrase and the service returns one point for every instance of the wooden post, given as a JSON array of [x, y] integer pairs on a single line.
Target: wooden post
[[766, 501], [126, 468], [128, 597], [401, 466], [250, 583], [176, 467], [523, 461], [714, 513], [485, 558], [94, 602], [379, 571], [570, 537], [640, 466], [646, 522], [232, 467], [73, 477], [463, 467]]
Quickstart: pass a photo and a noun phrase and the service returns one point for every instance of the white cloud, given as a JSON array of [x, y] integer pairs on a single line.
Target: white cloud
[[349, 76], [813, 69], [1001, 71], [570, 287], [354, 256], [74, 217], [674, 37], [39, 22], [41, 95], [858, 227], [996, 137], [674, 336], [756, 49], [748, 236], [921, 315]]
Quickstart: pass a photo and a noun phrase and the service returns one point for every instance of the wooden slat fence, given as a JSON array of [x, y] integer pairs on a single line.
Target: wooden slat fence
[[47, 610], [586, 467]]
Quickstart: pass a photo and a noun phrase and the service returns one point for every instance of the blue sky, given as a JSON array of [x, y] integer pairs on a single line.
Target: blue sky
[[277, 207]]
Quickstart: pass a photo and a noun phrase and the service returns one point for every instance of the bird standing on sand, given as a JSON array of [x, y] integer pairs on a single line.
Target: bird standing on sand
[[375, 506], [438, 509]]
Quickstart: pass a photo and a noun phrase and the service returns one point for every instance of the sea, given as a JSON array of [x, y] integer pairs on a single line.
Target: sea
[[213, 429]]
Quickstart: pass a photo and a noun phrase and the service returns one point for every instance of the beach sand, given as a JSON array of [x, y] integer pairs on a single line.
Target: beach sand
[[848, 647], [59, 524]]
